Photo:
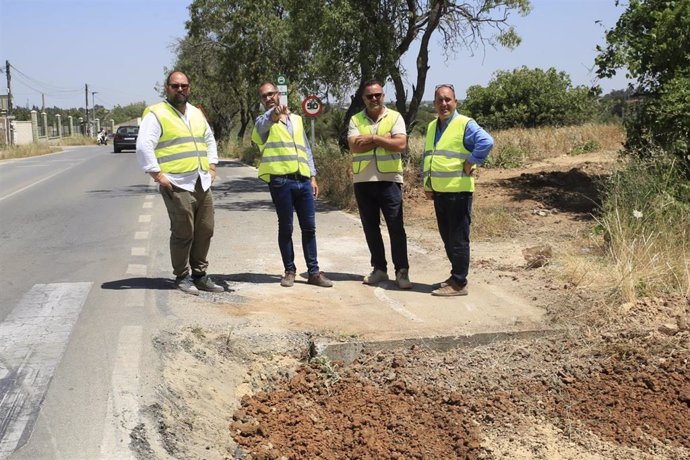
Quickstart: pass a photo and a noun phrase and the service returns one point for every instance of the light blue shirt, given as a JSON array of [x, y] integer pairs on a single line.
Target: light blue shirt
[[477, 141], [263, 125]]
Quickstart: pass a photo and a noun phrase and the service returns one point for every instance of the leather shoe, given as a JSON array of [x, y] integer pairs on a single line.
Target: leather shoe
[[319, 279]]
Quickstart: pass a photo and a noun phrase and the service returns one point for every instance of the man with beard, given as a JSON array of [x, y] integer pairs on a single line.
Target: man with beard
[[287, 166], [177, 149], [377, 138]]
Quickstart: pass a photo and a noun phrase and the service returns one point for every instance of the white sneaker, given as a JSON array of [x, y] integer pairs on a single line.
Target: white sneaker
[[402, 278], [375, 277]]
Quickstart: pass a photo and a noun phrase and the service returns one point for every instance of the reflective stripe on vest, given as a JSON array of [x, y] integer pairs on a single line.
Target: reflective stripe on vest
[[386, 161], [181, 148], [283, 153], [443, 164]]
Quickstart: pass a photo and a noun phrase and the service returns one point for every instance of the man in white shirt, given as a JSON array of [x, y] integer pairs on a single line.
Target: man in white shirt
[[177, 149]]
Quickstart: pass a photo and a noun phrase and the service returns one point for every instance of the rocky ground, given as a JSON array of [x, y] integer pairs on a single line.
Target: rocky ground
[[614, 383]]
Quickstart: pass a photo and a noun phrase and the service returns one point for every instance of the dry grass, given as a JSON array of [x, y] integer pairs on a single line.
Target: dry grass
[[28, 150], [537, 144], [334, 174], [76, 140]]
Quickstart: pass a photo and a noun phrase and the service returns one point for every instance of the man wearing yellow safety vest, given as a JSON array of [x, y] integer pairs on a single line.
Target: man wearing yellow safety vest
[[177, 149], [377, 138], [287, 166], [455, 144]]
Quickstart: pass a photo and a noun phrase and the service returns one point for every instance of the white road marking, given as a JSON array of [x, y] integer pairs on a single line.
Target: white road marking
[[122, 415], [149, 197], [395, 305], [139, 251], [34, 183], [145, 218], [141, 235], [34, 338], [147, 205], [137, 269]]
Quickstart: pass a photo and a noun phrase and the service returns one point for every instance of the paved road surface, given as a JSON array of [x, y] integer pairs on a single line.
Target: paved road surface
[[86, 286]]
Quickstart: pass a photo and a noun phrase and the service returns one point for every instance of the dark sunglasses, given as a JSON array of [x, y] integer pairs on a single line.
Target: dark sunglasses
[[268, 94], [444, 85], [179, 85], [373, 95]]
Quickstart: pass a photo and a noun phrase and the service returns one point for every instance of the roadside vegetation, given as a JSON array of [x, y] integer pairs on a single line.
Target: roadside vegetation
[[43, 148]]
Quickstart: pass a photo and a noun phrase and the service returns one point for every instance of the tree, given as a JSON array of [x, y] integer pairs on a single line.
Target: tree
[[355, 40], [652, 42], [529, 98], [327, 47]]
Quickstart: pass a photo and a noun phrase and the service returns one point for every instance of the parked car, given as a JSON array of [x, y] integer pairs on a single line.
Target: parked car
[[125, 138]]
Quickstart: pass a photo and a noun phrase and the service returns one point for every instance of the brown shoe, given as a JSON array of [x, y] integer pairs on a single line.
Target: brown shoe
[[443, 284], [450, 289], [319, 279], [288, 279]]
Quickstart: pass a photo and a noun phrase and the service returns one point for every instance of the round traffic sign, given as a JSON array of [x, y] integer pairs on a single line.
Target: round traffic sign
[[312, 106]]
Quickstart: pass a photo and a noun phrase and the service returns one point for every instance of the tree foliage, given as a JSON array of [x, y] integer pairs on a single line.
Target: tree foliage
[[328, 47], [530, 98], [652, 41]]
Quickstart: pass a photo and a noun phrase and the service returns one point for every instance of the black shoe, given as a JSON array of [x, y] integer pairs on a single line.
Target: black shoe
[[205, 283]]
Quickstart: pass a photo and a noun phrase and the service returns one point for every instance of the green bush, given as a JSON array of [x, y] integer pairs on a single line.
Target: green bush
[[587, 147], [530, 98], [507, 156]]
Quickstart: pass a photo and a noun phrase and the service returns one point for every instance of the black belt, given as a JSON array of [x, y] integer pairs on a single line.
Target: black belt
[[291, 176]]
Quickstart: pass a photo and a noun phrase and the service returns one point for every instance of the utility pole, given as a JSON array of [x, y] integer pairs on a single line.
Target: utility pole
[[43, 102], [9, 88], [87, 130]]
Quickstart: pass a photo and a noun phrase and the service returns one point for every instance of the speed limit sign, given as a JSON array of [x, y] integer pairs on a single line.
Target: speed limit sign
[[312, 106]]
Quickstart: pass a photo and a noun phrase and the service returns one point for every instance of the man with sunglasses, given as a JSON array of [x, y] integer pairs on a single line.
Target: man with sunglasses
[[176, 147], [377, 137], [455, 144], [287, 166]]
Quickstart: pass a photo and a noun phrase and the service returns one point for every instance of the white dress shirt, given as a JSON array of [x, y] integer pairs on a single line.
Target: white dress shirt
[[149, 135]]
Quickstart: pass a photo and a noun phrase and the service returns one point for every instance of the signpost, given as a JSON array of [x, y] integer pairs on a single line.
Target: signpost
[[282, 84], [312, 108]]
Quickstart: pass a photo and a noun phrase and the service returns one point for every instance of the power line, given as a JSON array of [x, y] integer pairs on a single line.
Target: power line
[[50, 87]]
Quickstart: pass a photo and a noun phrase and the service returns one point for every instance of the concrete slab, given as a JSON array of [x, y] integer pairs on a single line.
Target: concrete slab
[[245, 255]]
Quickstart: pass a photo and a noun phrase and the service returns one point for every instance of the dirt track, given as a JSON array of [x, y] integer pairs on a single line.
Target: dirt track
[[606, 388]]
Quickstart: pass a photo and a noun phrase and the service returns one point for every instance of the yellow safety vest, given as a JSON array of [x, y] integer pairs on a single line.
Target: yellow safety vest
[[283, 153], [181, 148], [443, 164], [386, 161]]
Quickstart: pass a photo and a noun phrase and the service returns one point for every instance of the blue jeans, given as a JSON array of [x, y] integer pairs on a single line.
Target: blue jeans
[[374, 198], [454, 216], [290, 196]]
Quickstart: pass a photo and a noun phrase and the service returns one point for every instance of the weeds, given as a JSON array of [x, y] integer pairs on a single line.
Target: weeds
[[28, 150], [646, 224]]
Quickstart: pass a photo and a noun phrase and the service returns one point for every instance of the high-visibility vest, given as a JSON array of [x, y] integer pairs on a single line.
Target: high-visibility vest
[[386, 161], [181, 148], [283, 153], [443, 163]]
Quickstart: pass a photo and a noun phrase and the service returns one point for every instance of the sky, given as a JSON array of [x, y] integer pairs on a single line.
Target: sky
[[121, 48]]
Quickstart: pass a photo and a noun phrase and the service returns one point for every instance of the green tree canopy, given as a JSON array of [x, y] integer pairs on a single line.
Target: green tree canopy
[[652, 41], [529, 98]]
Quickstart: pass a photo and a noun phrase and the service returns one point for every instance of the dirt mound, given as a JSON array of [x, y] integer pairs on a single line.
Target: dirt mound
[[353, 418], [419, 404]]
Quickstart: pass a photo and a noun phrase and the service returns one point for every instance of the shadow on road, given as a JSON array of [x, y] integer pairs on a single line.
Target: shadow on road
[[139, 283]]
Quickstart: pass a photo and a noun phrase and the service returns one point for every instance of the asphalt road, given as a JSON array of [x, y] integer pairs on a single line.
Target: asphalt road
[[72, 231]]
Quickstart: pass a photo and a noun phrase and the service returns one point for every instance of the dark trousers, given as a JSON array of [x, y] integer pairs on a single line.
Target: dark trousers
[[295, 196], [374, 198], [191, 228], [454, 216]]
